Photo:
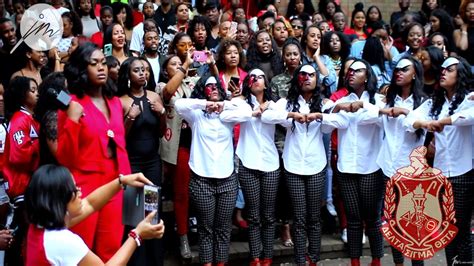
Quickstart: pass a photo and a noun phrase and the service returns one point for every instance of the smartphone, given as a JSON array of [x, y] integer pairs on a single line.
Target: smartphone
[[182, 29], [200, 56], [235, 80], [233, 26], [108, 50], [192, 72], [152, 199]]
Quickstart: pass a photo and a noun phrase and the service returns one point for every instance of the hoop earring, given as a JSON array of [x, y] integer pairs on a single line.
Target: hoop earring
[[146, 83], [128, 83]]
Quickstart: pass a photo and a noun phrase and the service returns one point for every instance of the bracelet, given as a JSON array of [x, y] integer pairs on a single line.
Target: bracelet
[[182, 70], [120, 182], [133, 234]]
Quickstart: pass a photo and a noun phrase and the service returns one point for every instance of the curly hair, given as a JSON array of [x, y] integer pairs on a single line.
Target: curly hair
[[462, 87], [76, 71], [370, 85], [291, 10], [55, 81], [199, 20], [254, 57], [117, 8], [247, 90], [407, 29], [198, 92], [446, 27], [223, 47], [345, 44], [315, 103]]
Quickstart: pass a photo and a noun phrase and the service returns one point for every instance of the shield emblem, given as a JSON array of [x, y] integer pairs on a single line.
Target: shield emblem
[[419, 209]]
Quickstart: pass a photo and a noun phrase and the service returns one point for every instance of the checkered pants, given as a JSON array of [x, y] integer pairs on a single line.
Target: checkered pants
[[260, 190], [397, 255], [306, 193], [362, 196], [461, 246], [213, 200]]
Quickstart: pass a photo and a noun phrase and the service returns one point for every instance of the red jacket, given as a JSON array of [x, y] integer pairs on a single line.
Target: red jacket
[[82, 147], [21, 156]]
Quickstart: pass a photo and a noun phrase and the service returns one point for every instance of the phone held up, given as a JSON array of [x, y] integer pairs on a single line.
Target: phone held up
[[152, 200]]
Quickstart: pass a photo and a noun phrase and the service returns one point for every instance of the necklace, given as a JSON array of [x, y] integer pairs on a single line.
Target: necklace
[[336, 62]]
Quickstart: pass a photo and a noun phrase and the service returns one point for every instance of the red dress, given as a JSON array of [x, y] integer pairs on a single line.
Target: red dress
[[83, 149], [21, 156]]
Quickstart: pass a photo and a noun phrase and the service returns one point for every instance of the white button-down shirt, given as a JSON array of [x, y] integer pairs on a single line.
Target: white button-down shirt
[[397, 143], [359, 143], [454, 144], [256, 148], [212, 150], [304, 152]]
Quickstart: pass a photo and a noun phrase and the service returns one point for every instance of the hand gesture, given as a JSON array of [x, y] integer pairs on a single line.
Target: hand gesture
[[6, 239], [313, 116], [300, 118], [157, 107], [75, 111], [134, 111], [234, 89], [210, 57], [264, 106], [135, 180], [146, 230]]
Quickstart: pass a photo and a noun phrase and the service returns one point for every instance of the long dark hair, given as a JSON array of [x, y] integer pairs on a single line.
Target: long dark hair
[[124, 76], [373, 52], [345, 44], [308, 8], [463, 86], [416, 88], [416, 85], [50, 190], [117, 8], [15, 95], [370, 85], [254, 57], [76, 71], [192, 26], [76, 22], [315, 103], [198, 92], [247, 91], [108, 36], [150, 83]]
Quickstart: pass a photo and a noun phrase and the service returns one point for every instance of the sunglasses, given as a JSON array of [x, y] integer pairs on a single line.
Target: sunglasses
[[297, 27]]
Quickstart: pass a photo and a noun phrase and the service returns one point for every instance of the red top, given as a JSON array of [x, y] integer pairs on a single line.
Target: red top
[[21, 152], [35, 253], [137, 17], [342, 92], [82, 147], [98, 39]]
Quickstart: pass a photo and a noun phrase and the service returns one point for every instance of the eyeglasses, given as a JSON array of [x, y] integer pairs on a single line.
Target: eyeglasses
[[297, 27]]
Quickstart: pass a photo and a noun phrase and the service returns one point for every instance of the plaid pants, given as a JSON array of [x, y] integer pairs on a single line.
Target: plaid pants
[[306, 193], [362, 195], [260, 190], [463, 191], [213, 200]]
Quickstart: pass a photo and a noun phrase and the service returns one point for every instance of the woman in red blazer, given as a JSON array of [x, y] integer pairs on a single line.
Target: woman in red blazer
[[91, 143]]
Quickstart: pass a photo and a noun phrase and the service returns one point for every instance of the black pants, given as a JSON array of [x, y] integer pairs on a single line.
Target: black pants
[[151, 252]]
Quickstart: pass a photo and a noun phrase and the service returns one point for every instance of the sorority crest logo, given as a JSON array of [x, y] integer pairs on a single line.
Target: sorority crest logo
[[419, 209]]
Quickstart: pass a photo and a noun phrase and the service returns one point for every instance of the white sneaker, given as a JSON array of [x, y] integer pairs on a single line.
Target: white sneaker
[[344, 235], [364, 238], [331, 208]]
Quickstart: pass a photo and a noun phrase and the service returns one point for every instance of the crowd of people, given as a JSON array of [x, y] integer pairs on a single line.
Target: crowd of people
[[242, 108]]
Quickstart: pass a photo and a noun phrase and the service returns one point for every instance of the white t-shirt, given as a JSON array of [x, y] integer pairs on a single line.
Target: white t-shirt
[[63, 247], [155, 65]]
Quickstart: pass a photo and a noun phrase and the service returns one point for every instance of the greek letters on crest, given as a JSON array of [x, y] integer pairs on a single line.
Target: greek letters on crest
[[419, 209]]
